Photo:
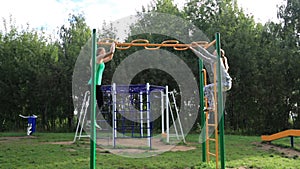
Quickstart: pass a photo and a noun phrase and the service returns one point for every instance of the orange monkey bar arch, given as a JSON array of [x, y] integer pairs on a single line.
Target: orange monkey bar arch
[[153, 46]]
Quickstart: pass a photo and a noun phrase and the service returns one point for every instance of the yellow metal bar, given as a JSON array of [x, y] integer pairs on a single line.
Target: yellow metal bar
[[211, 154], [210, 44], [216, 116], [204, 73], [152, 46], [205, 83], [206, 118], [207, 136]]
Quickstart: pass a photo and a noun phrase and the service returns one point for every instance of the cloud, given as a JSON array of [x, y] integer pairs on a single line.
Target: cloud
[[263, 10], [110, 10], [51, 14], [36, 13]]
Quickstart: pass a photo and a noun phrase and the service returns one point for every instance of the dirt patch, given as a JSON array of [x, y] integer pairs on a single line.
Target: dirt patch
[[132, 147], [287, 152], [71, 150], [133, 143], [61, 142], [182, 148], [136, 148], [156, 144], [15, 138]]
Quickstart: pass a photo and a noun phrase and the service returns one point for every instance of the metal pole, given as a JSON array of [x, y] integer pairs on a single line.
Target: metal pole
[[148, 115], [178, 117], [93, 105], [162, 113], [141, 114], [167, 114], [84, 116], [114, 98], [220, 102], [292, 141], [202, 115]]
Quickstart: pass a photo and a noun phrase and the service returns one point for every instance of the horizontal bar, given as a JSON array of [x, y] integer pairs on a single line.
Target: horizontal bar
[[211, 154], [150, 44], [154, 46]]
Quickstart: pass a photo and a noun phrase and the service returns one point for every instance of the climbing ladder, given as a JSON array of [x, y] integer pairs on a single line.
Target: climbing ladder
[[82, 116], [211, 123], [171, 105], [168, 102], [82, 122]]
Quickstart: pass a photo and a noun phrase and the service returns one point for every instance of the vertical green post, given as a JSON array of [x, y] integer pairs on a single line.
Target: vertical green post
[[93, 105], [220, 102], [202, 116]]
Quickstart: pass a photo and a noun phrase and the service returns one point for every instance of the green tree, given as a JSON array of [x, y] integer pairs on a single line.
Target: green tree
[[73, 37], [201, 13], [23, 54], [36, 74], [240, 35], [289, 15]]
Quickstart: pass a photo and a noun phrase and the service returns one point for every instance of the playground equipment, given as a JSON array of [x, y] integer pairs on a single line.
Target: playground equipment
[[31, 123], [153, 46], [218, 112], [287, 133], [213, 119], [127, 113]]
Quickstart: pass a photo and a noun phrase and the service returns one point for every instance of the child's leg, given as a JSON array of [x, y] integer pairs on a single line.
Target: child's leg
[[99, 97], [209, 94], [100, 103]]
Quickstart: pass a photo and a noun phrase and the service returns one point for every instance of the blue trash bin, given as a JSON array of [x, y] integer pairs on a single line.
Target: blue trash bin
[[31, 124]]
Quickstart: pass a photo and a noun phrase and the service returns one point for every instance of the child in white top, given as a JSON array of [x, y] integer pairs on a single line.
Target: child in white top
[[212, 59]]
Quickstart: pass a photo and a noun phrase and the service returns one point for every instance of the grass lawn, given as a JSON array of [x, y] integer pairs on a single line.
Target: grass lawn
[[20, 151]]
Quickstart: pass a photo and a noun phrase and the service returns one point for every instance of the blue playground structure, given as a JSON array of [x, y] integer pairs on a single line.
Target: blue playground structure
[[129, 112]]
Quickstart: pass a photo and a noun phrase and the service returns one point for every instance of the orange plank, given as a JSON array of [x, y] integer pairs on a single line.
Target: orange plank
[[280, 135]]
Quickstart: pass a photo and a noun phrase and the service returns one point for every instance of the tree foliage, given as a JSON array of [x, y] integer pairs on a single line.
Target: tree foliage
[[36, 75]]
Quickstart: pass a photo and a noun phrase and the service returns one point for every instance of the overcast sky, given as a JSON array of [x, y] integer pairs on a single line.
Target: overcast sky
[[53, 13]]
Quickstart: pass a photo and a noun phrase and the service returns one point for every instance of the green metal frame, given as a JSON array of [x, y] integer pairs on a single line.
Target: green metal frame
[[220, 105], [202, 113], [220, 102], [93, 105]]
